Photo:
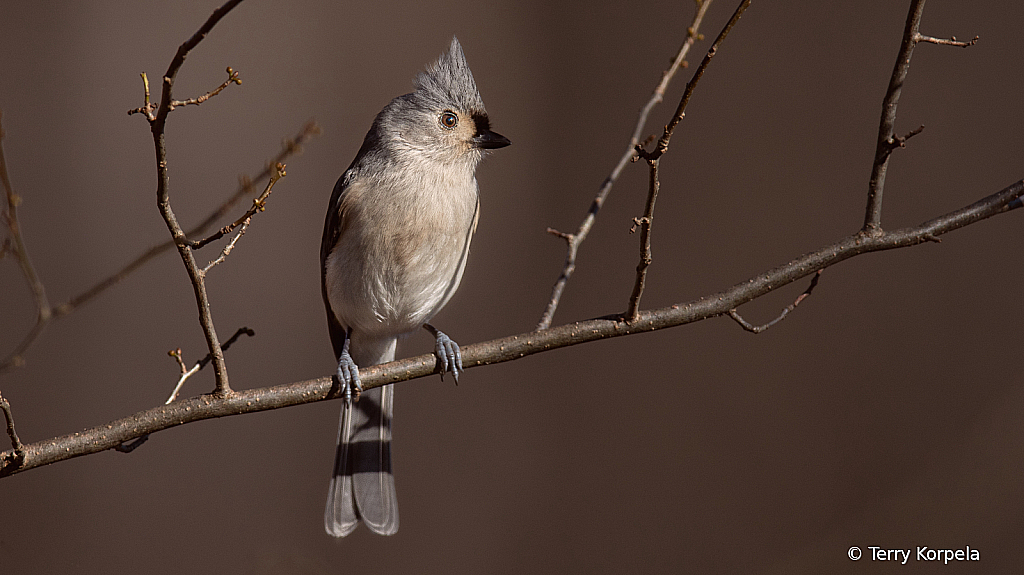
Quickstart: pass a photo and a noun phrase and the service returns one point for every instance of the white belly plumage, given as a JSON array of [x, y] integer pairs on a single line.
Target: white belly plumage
[[396, 299]]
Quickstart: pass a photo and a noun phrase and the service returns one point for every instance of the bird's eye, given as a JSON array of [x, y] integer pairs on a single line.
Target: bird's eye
[[449, 119]]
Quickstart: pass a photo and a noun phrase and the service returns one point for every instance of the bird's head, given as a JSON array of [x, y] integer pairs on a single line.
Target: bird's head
[[444, 119]]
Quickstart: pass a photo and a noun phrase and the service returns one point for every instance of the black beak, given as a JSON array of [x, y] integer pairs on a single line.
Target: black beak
[[489, 140]]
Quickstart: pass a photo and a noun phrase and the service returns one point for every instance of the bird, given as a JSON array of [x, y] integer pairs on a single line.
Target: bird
[[395, 242]]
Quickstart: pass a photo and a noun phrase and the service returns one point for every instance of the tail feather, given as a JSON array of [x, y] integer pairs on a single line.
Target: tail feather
[[340, 517], [363, 486], [370, 455]]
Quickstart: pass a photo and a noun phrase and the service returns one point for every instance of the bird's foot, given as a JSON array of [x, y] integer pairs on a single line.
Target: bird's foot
[[348, 375], [449, 357]]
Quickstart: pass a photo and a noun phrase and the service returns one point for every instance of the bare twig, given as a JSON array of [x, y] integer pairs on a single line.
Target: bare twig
[[233, 78], [573, 240], [901, 141], [258, 205], [662, 145], [760, 328], [187, 373], [17, 453], [227, 344], [886, 143], [289, 147], [224, 253], [149, 108], [16, 245], [179, 60], [114, 433], [653, 159], [176, 354], [951, 41], [633, 311]]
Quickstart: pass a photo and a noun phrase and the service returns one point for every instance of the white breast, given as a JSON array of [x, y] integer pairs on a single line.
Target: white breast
[[401, 253]]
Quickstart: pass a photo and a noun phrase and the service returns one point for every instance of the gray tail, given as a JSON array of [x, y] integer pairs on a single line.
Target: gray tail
[[362, 485]]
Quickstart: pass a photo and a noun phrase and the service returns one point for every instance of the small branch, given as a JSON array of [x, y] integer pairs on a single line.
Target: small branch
[[760, 328], [558, 234], [157, 125], [176, 354], [901, 141], [16, 246], [258, 205], [227, 344], [662, 145], [573, 240], [187, 373], [224, 253], [952, 41], [653, 160], [179, 59], [633, 310], [17, 454], [148, 108], [886, 143], [233, 78]]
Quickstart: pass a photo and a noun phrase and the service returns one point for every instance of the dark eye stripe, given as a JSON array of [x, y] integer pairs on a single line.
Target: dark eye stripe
[[482, 122]]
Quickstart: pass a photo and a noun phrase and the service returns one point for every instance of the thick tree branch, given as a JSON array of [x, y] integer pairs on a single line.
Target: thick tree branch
[[115, 433], [573, 240]]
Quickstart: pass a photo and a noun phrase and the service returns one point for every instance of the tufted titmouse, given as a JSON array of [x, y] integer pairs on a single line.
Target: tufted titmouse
[[394, 247]]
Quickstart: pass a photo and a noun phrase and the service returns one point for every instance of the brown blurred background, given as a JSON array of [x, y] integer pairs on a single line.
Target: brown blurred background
[[885, 412]]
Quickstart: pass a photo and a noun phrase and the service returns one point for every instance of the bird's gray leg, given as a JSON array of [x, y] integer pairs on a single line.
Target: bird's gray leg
[[447, 352], [348, 371]]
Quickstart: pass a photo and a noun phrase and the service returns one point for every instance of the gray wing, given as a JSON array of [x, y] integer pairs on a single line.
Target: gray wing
[[333, 226]]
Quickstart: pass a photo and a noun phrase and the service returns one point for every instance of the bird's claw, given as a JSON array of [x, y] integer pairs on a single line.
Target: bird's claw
[[348, 376], [448, 355]]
